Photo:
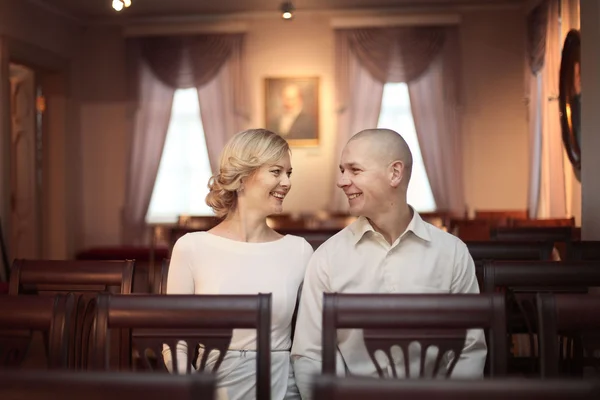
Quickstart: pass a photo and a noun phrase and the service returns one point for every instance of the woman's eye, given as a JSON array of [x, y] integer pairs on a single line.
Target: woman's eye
[[275, 172]]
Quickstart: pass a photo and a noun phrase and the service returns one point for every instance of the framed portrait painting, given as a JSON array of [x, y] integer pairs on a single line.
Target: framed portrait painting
[[292, 109]]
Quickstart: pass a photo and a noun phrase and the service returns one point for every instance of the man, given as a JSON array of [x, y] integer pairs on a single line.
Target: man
[[293, 122], [388, 249]]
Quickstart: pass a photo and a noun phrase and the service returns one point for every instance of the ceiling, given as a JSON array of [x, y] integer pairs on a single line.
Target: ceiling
[[89, 10]]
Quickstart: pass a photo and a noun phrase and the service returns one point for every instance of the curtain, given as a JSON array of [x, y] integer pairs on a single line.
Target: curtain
[[224, 104], [547, 191], [161, 65], [358, 101], [150, 131], [434, 98]]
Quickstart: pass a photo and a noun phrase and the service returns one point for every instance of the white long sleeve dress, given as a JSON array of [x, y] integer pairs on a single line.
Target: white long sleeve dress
[[203, 263]]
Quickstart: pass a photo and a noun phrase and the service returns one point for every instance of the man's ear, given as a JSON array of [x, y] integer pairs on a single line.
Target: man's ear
[[396, 173]]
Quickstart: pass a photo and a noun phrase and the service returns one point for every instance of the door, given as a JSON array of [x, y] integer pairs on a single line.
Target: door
[[25, 164]]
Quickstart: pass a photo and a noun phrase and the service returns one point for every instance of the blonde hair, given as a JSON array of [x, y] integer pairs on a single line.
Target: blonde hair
[[246, 152]]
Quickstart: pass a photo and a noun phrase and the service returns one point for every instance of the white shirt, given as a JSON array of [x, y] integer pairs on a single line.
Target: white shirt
[[203, 263], [424, 259]]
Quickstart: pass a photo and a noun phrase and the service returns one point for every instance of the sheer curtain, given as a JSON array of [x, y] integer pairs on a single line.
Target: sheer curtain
[[181, 182], [547, 193], [434, 97], [161, 65]]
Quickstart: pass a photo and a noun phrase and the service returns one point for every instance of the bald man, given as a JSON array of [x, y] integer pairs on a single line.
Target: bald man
[[388, 249]]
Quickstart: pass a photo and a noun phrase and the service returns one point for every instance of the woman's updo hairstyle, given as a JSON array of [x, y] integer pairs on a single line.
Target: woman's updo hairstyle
[[246, 152]]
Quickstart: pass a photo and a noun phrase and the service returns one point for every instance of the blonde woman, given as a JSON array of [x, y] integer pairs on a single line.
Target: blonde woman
[[242, 255]]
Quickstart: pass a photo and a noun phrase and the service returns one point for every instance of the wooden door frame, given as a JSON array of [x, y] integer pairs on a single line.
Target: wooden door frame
[[43, 62]]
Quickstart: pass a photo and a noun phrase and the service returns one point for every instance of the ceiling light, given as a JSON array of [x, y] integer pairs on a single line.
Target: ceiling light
[[287, 10], [117, 5]]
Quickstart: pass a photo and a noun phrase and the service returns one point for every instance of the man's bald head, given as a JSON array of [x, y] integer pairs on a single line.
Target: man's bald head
[[387, 146]]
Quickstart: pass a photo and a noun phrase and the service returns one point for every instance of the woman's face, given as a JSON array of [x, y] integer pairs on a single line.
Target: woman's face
[[267, 187]]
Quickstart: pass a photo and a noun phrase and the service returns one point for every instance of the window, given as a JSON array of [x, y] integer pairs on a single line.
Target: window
[[184, 171], [396, 114]]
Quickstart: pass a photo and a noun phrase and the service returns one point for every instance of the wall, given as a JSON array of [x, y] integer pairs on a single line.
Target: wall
[[104, 134], [494, 116], [495, 141]]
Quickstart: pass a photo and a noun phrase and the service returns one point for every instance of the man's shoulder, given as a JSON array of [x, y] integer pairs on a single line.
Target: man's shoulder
[[443, 238], [341, 240]]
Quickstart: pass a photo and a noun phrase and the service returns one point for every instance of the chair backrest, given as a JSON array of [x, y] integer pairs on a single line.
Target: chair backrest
[[533, 234], [510, 250], [53, 276], [568, 314], [328, 387], [160, 278], [542, 222], [207, 320], [21, 315], [501, 214], [540, 275], [584, 250], [41, 385], [439, 320]]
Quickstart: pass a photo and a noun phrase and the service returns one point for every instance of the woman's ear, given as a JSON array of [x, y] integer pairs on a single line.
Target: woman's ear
[[396, 173]]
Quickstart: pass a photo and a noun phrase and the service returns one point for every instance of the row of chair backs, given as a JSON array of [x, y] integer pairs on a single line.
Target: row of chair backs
[[389, 320], [41, 385], [328, 387]]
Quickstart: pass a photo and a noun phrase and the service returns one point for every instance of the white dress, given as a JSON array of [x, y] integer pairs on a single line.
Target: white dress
[[203, 263]]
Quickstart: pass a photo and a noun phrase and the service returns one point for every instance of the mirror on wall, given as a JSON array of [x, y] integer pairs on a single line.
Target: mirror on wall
[[570, 98]]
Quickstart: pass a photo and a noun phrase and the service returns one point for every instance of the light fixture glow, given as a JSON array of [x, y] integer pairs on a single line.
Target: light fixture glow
[[287, 10], [127, 3], [117, 5]]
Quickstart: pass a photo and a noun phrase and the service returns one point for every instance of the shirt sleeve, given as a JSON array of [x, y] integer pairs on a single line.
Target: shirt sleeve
[[179, 281], [306, 349], [472, 359]]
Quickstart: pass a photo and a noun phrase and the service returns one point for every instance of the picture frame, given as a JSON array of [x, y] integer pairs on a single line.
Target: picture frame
[[292, 109]]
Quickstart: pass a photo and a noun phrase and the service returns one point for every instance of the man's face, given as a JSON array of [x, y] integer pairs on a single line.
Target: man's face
[[291, 98], [364, 179]]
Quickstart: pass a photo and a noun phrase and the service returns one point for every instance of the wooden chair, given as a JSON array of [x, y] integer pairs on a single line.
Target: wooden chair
[[38, 276], [551, 234], [84, 277], [359, 388], [520, 281], [584, 250], [160, 279], [471, 229], [510, 250], [548, 222], [205, 319], [568, 315], [42, 385], [20, 316], [432, 320]]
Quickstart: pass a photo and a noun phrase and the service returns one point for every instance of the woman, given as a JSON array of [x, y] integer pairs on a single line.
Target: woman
[[242, 255]]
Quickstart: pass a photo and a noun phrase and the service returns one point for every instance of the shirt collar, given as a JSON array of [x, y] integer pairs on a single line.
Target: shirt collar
[[416, 225]]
